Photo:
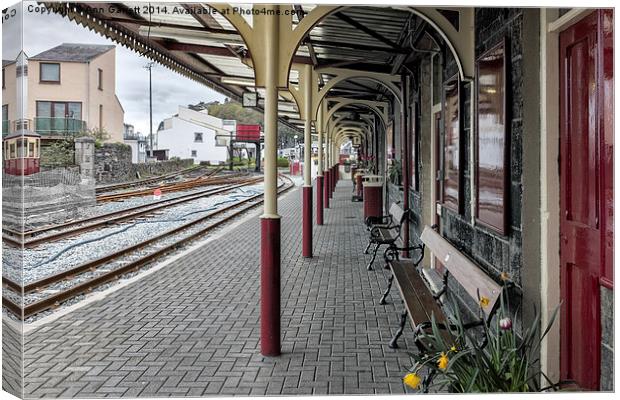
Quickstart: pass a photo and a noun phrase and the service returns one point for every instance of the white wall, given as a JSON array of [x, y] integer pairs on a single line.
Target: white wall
[[179, 139]]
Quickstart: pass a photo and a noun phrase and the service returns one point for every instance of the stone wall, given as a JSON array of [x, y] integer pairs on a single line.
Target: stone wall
[[607, 339], [493, 252], [113, 164]]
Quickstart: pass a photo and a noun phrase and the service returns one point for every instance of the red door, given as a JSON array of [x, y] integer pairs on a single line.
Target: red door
[[586, 191]]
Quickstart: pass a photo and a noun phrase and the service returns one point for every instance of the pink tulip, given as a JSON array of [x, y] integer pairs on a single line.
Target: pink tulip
[[505, 323]]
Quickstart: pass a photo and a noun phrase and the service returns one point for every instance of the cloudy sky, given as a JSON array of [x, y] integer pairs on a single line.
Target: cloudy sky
[[132, 82]]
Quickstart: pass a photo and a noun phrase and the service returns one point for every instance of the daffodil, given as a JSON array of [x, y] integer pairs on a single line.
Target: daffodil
[[443, 361], [453, 349], [484, 302], [412, 380]]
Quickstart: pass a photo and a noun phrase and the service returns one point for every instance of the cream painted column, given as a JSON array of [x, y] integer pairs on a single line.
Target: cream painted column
[[307, 188], [270, 220], [320, 179]]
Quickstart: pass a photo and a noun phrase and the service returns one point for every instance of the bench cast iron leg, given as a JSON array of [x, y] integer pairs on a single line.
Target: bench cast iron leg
[[374, 255], [403, 320], [387, 291], [368, 247], [428, 379]]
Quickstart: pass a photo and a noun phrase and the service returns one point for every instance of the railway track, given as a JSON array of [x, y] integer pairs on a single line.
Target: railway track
[[35, 237], [131, 258], [155, 179], [173, 187]]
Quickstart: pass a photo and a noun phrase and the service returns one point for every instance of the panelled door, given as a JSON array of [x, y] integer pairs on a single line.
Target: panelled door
[[585, 167]]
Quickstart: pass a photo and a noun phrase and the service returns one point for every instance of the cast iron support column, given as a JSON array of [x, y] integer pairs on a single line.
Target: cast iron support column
[[320, 184], [307, 189], [405, 156], [327, 189], [270, 220]]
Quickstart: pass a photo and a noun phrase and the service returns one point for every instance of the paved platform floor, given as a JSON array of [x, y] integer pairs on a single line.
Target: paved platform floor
[[192, 329]]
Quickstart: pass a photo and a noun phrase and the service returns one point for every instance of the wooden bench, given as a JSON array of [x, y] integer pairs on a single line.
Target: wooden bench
[[385, 230], [421, 303]]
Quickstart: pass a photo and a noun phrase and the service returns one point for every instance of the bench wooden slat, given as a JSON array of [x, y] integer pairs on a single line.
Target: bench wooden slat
[[397, 213], [473, 279], [417, 297]]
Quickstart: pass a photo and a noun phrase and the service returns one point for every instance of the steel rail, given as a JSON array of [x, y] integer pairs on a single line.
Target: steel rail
[[115, 217], [146, 181], [89, 285], [174, 187]]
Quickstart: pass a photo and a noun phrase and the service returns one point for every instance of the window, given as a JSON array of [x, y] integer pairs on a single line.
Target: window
[[198, 137], [100, 78], [12, 151], [5, 112], [194, 153], [31, 149], [492, 141], [50, 73], [57, 109], [3, 80], [100, 116], [21, 144], [452, 149]]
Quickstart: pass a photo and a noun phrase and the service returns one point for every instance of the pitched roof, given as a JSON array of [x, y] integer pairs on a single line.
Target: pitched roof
[[75, 52], [7, 62]]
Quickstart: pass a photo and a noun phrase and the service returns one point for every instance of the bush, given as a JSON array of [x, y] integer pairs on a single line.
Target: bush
[[282, 162]]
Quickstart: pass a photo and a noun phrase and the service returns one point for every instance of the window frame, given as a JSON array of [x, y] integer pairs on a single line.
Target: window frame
[[458, 207], [502, 227], [41, 80], [100, 79], [194, 153]]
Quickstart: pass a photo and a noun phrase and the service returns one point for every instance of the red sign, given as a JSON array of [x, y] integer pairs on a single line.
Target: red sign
[[250, 133]]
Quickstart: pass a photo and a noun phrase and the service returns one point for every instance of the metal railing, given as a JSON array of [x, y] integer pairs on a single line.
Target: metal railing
[[52, 126]]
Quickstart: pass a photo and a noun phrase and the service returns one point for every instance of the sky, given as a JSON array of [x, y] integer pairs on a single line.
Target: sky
[[170, 89]]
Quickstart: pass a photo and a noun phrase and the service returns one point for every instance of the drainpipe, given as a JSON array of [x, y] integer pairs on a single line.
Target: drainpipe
[[270, 220], [307, 188]]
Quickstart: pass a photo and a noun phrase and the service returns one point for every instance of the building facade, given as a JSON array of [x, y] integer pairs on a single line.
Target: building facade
[[137, 142], [67, 89], [194, 134]]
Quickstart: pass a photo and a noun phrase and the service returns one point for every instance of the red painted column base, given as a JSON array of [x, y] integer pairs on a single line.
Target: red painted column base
[[326, 191], [332, 181], [307, 221], [319, 200], [270, 287]]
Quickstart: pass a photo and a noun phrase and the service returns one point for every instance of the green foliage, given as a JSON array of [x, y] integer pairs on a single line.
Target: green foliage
[[234, 110], [243, 161], [99, 134], [58, 154], [282, 162], [506, 364]]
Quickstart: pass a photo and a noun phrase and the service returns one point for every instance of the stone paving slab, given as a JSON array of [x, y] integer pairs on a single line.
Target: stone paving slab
[[192, 329]]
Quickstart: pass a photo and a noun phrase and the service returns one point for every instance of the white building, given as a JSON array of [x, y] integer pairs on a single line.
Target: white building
[[194, 134], [137, 142]]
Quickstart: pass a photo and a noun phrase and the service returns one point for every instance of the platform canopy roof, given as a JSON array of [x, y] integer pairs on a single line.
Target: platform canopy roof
[[206, 48]]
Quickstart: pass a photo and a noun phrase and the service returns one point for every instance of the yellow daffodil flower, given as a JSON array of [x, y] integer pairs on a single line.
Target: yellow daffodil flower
[[484, 301], [412, 380], [443, 362]]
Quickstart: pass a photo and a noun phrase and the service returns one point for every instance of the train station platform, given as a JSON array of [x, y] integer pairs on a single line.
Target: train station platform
[[192, 328]]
